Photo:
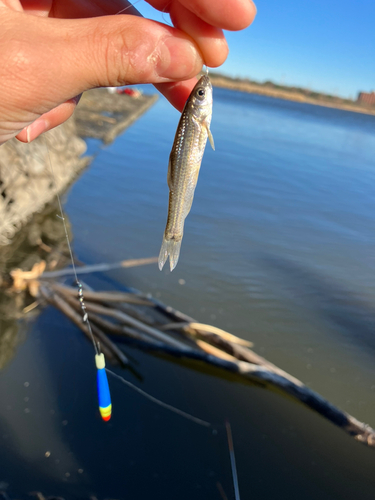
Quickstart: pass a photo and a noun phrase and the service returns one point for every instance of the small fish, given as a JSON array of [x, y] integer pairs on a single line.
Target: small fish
[[184, 164]]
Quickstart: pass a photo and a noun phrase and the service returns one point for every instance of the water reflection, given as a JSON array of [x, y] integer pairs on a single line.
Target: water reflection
[[42, 239], [330, 300]]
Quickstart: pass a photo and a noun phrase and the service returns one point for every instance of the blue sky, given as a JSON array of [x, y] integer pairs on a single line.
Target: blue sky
[[327, 46]]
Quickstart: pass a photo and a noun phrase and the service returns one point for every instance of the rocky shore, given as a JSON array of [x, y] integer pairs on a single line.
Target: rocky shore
[[31, 174], [104, 116]]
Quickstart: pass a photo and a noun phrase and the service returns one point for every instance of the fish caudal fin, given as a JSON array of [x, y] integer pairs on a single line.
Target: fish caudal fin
[[169, 248]]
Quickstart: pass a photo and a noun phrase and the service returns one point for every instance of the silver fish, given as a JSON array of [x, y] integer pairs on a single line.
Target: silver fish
[[184, 164]]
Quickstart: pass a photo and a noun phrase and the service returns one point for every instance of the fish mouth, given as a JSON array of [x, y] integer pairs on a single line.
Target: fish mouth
[[205, 81]]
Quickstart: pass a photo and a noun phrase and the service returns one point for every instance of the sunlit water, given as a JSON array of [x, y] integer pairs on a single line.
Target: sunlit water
[[279, 249]]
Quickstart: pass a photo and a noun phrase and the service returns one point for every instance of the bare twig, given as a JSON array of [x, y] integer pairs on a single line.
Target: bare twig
[[100, 267], [30, 307]]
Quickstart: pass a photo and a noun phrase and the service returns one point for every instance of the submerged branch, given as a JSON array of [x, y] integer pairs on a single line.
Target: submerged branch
[[185, 338], [130, 298], [110, 350]]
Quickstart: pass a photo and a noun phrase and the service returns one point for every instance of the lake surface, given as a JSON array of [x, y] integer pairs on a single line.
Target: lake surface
[[279, 248]]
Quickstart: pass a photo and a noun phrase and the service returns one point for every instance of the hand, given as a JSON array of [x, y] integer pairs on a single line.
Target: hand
[[53, 50]]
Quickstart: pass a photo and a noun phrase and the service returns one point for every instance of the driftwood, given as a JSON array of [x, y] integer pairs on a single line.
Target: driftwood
[[176, 334]]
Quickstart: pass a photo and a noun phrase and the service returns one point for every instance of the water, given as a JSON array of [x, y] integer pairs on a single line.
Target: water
[[279, 249]]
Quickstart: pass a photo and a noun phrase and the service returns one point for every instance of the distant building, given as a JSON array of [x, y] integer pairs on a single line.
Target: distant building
[[366, 98]]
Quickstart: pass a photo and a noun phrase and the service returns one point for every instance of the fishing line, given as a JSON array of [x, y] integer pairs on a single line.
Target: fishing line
[[196, 420], [127, 7], [167, 21], [104, 396], [78, 283]]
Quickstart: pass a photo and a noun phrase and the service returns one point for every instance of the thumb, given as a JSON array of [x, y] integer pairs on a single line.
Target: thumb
[[49, 61], [117, 50]]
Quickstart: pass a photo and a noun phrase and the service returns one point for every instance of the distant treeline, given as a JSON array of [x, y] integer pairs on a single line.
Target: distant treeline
[[271, 86]]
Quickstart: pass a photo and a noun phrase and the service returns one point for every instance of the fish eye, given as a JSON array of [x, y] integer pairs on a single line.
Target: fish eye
[[200, 93]]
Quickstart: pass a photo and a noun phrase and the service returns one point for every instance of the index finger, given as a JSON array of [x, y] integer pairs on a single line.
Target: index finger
[[230, 15], [177, 92]]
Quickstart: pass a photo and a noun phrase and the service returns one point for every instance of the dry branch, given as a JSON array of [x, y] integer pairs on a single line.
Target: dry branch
[[202, 329]]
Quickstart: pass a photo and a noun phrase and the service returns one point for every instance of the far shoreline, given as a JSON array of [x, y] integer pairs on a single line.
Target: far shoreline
[[289, 95]]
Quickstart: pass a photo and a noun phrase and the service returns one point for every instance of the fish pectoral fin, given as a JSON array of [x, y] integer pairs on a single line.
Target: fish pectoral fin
[[210, 137]]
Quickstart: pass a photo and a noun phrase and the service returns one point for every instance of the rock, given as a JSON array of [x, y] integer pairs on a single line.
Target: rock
[[27, 182]]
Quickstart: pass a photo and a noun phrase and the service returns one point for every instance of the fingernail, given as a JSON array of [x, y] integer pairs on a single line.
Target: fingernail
[[36, 128], [179, 59]]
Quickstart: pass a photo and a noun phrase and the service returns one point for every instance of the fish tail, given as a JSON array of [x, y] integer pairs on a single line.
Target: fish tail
[[169, 248]]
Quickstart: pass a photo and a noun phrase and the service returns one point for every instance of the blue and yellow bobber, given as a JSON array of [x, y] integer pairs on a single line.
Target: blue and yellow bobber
[[104, 396]]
